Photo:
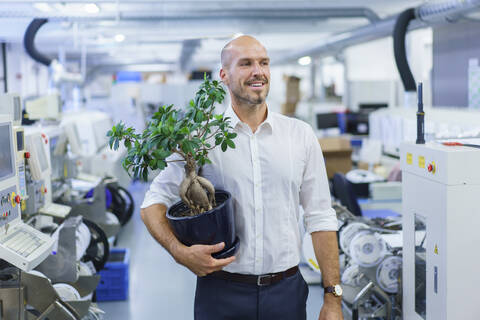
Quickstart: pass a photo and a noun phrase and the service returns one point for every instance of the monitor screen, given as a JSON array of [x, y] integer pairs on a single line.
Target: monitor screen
[[20, 141], [40, 150], [6, 152], [327, 120]]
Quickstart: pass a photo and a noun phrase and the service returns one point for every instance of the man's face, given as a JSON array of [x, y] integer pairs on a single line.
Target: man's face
[[248, 74]]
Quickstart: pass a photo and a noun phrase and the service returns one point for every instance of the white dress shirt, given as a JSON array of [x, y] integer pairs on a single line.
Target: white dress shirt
[[270, 174]]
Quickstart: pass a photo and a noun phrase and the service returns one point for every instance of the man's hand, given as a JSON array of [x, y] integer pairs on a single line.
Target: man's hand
[[331, 309], [198, 258]]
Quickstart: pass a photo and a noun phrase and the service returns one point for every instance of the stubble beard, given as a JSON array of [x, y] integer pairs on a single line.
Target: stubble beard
[[246, 99]]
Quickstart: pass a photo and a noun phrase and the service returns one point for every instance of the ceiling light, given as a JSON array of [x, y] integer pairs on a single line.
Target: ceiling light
[[236, 35], [305, 61], [91, 8], [42, 6], [119, 37]]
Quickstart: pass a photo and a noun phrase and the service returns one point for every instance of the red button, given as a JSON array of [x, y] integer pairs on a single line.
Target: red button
[[17, 199], [27, 155], [45, 190], [430, 168]]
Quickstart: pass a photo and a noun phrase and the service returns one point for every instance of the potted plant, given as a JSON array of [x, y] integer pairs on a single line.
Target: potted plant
[[204, 215]]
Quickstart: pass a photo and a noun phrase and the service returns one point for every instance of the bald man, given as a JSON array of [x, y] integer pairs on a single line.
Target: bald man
[[277, 166]]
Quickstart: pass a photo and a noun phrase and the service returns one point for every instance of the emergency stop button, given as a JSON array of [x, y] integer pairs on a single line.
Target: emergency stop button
[[431, 167], [18, 199]]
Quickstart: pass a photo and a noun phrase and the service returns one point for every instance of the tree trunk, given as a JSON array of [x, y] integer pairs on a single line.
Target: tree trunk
[[196, 192]]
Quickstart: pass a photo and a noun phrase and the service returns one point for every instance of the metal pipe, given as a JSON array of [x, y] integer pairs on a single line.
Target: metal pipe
[[358, 297], [4, 62], [427, 14], [242, 13]]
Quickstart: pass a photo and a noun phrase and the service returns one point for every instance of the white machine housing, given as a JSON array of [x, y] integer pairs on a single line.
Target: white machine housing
[[441, 186], [10, 218], [87, 136], [11, 104]]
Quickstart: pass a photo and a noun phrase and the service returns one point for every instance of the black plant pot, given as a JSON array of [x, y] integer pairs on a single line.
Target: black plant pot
[[211, 227]]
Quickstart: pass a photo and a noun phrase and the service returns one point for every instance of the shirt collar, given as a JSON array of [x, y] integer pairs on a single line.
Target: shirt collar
[[234, 120]]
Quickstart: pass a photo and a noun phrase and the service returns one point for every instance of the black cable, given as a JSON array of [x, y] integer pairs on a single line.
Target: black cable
[[29, 42], [98, 238], [399, 33], [131, 204]]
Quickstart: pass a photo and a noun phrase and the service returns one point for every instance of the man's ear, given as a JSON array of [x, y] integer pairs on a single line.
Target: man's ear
[[223, 76]]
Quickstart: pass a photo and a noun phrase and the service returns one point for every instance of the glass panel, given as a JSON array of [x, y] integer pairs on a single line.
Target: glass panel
[[420, 235], [42, 158], [6, 157]]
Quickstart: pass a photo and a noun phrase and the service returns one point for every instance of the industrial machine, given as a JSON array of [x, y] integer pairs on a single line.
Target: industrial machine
[[20, 244], [441, 186]]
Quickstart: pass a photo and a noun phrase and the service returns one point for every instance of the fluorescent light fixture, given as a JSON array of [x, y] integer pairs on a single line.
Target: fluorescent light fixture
[[119, 37], [91, 8], [42, 6], [305, 61]]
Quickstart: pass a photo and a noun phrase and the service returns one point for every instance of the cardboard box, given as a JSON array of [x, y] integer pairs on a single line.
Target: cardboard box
[[337, 152]]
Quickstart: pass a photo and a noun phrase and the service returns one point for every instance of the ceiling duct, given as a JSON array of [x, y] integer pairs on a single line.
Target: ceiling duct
[[427, 14]]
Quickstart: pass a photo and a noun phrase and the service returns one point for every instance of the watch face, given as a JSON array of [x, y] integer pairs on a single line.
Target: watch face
[[338, 290]]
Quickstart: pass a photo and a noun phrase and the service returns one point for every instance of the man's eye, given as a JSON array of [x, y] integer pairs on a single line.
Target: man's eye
[[245, 63]]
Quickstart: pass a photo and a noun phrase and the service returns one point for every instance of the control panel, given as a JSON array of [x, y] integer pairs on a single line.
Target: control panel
[[9, 205], [22, 186]]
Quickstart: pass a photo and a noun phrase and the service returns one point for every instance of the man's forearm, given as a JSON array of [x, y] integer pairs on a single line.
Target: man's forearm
[[326, 251], [157, 224]]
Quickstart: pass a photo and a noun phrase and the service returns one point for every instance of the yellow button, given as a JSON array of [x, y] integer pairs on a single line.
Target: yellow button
[[12, 200]]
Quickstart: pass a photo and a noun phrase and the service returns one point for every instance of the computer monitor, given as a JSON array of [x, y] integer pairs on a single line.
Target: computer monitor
[[7, 152], [46, 107], [327, 120], [100, 129], [73, 138], [11, 104], [38, 161]]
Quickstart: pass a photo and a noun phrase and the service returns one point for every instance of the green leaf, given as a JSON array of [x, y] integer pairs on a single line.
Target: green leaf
[[231, 144], [115, 146], [224, 146]]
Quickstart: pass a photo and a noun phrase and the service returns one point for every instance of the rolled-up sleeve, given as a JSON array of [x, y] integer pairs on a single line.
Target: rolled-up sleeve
[[164, 188], [315, 192]]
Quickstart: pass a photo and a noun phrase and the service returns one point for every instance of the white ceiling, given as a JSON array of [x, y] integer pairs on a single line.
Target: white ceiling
[[156, 31]]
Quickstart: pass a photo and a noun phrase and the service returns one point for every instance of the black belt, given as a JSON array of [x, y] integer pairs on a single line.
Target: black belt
[[261, 280]]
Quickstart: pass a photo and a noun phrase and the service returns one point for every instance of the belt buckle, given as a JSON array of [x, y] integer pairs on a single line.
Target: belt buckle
[[264, 276]]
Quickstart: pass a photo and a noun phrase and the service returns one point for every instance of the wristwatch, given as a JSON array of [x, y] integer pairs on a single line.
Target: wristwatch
[[336, 290]]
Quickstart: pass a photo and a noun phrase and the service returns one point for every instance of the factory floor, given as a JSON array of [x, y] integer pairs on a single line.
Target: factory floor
[[159, 287]]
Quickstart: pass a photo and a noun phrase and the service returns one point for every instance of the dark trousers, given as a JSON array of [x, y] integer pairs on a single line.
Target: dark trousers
[[219, 299]]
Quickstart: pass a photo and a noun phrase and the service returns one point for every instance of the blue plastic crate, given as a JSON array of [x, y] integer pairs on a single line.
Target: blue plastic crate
[[113, 285]]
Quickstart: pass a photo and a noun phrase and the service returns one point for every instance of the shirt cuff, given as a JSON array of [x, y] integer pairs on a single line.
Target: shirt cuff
[[321, 221]]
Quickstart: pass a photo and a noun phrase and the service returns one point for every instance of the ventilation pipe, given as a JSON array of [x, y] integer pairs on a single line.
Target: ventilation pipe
[[400, 52], [426, 14], [57, 70]]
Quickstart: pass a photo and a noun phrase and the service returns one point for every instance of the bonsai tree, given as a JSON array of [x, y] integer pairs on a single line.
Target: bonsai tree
[[172, 135]]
